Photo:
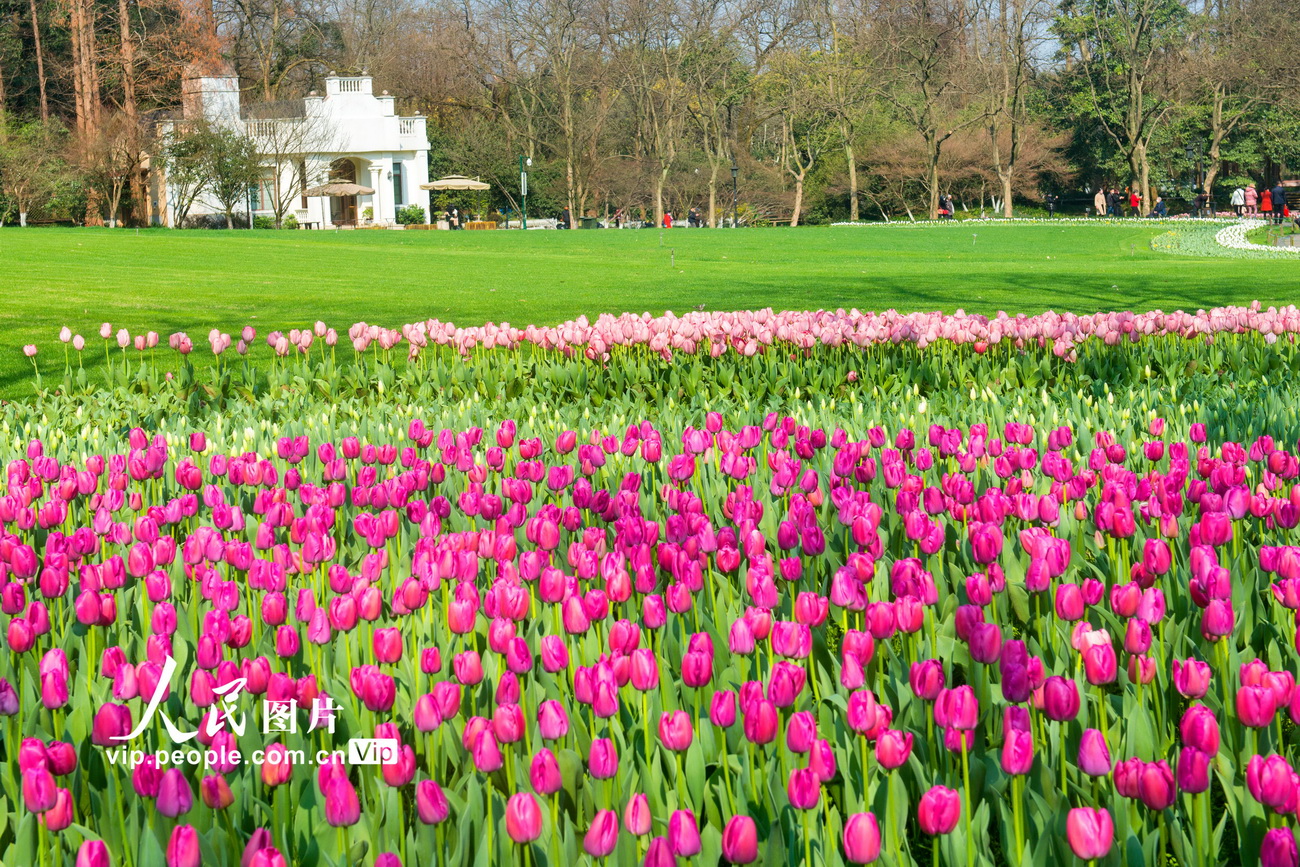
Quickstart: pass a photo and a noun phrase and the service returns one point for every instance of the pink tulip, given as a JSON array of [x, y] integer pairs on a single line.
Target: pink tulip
[[183, 847], [602, 836], [938, 811], [683, 834], [524, 818], [1090, 831], [739, 840]]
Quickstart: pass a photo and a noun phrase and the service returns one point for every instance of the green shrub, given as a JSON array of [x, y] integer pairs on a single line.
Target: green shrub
[[411, 215], [289, 222], [264, 222]]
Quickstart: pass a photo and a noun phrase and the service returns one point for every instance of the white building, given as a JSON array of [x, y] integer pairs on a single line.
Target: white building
[[349, 134]]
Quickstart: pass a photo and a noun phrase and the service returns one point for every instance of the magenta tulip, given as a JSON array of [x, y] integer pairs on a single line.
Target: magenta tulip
[[861, 838], [1090, 832], [939, 810], [524, 818], [739, 840], [601, 837]]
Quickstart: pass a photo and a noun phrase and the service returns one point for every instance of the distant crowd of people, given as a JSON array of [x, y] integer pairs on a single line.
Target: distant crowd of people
[[1270, 203], [1248, 201]]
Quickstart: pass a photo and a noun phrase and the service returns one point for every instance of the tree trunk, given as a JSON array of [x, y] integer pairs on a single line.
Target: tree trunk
[[40, 62], [85, 74], [798, 199], [570, 197], [230, 223], [140, 210], [713, 195], [852, 161], [1217, 133], [660, 182], [1144, 187], [932, 177]]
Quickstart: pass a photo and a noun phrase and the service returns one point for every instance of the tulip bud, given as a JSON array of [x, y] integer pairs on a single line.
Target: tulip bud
[[739, 841], [1090, 832], [861, 838], [183, 848], [939, 810], [524, 818]]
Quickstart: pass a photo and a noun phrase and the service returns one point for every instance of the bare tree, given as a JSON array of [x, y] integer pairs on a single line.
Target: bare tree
[[40, 61], [110, 157], [555, 58], [287, 146], [927, 73], [1011, 31], [716, 82], [807, 130], [270, 40]]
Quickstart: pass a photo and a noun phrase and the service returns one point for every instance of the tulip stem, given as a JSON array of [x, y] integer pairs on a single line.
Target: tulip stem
[[807, 840], [965, 774], [866, 768], [1060, 760], [726, 773], [1160, 829], [645, 717], [555, 825], [681, 782], [1105, 717], [1202, 839], [1017, 789]]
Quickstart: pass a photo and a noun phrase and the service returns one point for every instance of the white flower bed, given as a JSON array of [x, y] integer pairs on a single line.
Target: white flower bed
[[1234, 238], [1054, 221]]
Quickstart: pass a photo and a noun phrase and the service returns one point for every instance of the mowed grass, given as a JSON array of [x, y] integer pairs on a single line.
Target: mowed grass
[[196, 280]]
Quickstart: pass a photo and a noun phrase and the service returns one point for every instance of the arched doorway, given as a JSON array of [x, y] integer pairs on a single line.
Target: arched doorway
[[343, 209]]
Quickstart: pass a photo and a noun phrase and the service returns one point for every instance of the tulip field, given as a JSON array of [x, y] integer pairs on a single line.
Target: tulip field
[[716, 589]]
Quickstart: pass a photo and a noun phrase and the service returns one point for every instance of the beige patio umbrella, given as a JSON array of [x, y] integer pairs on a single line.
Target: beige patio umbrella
[[338, 188], [456, 182]]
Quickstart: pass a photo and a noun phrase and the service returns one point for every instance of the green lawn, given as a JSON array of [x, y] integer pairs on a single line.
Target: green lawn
[[196, 280]]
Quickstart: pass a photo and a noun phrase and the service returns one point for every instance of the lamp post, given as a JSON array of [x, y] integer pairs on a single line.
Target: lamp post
[[523, 188], [735, 172]]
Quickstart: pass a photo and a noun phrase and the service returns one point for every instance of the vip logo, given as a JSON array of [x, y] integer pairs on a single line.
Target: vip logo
[[374, 751]]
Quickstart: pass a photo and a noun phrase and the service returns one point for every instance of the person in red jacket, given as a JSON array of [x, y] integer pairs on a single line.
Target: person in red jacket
[[1135, 203]]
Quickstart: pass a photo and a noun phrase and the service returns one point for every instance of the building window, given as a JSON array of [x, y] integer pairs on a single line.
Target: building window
[[264, 194], [398, 200]]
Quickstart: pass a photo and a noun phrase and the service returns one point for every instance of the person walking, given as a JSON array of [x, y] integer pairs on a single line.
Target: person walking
[[618, 219], [1266, 203], [1238, 201], [1050, 200], [1199, 204], [1135, 203], [1099, 202], [1279, 203], [1252, 199]]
